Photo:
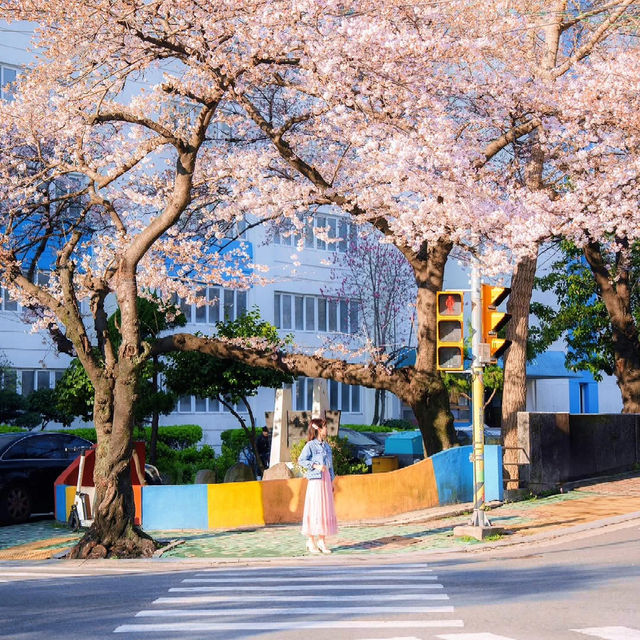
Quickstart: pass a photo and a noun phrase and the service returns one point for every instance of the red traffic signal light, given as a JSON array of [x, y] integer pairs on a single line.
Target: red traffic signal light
[[450, 331]]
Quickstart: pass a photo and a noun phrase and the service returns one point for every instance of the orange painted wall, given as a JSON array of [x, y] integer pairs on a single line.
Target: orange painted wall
[[360, 497], [283, 500]]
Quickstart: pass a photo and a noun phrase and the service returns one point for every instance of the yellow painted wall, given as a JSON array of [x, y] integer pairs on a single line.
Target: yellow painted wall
[[235, 504]]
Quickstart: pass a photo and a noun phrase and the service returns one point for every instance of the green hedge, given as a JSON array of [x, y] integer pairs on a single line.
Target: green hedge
[[7, 428], [386, 427], [174, 437]]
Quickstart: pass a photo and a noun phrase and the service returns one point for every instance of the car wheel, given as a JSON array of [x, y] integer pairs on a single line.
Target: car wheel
[[15, 505]]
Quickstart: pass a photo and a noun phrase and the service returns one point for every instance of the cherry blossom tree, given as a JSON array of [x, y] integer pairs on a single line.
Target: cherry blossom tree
[[377, 280], [146, 128]]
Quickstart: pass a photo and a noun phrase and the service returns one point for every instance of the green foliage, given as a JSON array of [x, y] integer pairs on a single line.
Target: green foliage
[[10, 428], [180, 466], [397, 424], [88, 433], [43, 403], [74, 392], [580, 314], [153, 317], [376, 428], [175, 437], [11, 405], [227, 380], [233, 442]]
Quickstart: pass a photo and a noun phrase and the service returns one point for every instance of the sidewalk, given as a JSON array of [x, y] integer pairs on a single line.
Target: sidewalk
[[587, 505]]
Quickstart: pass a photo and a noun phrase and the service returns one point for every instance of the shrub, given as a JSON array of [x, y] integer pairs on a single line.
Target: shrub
[[375, 428], [8, 428], [180, 466], [399, 425], [177, 437]]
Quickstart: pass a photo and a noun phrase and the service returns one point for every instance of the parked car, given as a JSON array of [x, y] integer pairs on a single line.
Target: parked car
[[364, 448], [464, 434], [29, 465], [379, 436]]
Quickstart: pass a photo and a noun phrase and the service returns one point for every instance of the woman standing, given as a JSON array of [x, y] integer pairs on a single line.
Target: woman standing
[[319, 518]]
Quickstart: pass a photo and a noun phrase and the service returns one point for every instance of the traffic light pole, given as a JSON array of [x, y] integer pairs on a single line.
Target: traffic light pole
[[479, 518]]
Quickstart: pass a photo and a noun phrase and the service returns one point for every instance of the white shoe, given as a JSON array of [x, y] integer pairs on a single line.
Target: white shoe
[[322, 548], [311, 547]]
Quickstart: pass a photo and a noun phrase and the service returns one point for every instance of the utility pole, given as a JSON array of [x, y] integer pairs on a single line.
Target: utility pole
[[479, 518], [480, 526]]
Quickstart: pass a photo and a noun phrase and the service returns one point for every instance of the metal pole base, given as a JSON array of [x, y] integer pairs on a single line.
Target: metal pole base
[[479, 519]]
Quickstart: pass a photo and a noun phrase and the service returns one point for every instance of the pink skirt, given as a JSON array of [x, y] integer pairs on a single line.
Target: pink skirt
[[319, 517]]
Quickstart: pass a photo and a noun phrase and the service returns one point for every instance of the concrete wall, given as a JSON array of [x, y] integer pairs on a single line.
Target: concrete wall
[[445, 478], [559, 447]]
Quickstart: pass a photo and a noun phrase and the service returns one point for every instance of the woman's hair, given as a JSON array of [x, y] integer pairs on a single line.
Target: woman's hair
[[314, 425]]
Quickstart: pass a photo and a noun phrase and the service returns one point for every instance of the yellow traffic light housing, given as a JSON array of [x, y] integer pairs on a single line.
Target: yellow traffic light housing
[[450, 330], [494, 320]]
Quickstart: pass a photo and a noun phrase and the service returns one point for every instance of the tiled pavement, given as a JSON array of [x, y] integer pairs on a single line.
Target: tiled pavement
[[428, 530]]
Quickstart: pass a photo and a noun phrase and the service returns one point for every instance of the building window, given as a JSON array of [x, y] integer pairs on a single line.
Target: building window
[[222, 304], [7, 76], [9, 380], [344, 397], [6, 303], [28, 380], [338, 231], [315, 313], [195, 404]]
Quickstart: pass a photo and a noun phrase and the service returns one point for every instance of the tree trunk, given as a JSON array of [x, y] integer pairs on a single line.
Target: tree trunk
[[155, 416], [113, 532], [376, 408], [430, 405], [514, 394], [428, 397], [616, 295]]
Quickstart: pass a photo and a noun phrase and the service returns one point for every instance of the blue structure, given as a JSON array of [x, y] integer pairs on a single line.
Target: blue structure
[[583, 389]]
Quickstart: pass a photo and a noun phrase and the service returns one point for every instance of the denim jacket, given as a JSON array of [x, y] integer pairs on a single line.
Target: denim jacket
[[316, 452]]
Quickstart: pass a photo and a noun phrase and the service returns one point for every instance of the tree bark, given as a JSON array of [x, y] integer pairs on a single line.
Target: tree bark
[[616, 295], [514, 394], [113, 532]]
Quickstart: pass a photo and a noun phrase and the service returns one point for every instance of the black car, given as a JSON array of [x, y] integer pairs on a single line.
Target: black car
[[29, 466], [364, 448]]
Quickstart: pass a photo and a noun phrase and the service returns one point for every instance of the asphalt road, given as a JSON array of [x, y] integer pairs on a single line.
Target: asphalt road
[[584, 588]]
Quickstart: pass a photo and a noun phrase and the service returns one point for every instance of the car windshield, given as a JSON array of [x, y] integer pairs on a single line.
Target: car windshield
[[7, 438], [355, 437]]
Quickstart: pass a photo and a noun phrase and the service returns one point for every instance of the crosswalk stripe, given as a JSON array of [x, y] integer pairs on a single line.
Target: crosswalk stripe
[[170, 613], [305, 587], [610, 633], [297, 598], [324, 571], [324, 568], [280, 626], [314, 579], [472, 636]]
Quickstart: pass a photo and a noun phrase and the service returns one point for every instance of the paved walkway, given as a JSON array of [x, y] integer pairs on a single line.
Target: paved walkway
[[588, 505]]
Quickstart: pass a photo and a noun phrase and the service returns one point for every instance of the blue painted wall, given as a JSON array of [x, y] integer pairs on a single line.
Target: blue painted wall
[[61, 503], [454, 474], [175, 507]]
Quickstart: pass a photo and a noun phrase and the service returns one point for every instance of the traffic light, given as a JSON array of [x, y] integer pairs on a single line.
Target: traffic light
[[450, 334], [494, 320]]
